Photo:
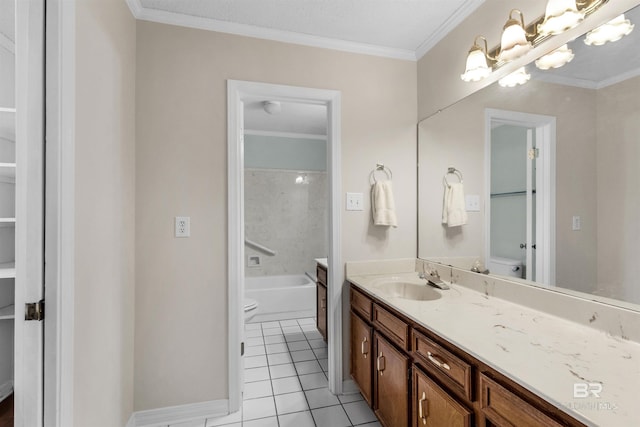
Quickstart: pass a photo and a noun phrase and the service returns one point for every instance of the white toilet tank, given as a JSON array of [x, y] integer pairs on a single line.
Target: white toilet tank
[[505, 267]]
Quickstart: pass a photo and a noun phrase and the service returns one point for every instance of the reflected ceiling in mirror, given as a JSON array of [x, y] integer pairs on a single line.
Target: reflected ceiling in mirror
[[594, 102]]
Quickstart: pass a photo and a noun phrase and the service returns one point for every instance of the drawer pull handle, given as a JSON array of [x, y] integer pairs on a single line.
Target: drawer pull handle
[[323, 304], [437, 361], [421, 413], [362, 345], [381, 363]]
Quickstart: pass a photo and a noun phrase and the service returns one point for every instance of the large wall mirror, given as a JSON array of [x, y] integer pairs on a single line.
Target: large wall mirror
[[551, 175]]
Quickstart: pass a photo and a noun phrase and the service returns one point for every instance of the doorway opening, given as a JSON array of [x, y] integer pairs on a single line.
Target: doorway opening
[[247, 252], [520, 194]]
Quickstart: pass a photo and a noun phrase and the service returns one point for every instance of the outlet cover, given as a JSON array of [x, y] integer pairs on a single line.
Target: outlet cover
[[183, 226], [576, 223], [355, 202], [472, 203]]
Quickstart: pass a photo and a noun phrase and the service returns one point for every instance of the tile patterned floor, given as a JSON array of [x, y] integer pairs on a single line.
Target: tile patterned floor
[[286, 382]]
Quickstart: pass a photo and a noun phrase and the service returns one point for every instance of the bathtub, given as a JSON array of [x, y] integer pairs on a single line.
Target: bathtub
[[282, 297]]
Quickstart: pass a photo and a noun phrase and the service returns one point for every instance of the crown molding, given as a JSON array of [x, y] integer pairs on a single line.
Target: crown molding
[[163, 17], [447, 26], [584, 83]]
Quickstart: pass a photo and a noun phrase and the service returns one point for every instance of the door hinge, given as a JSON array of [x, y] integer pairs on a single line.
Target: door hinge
[[534, 153], [34, 310]]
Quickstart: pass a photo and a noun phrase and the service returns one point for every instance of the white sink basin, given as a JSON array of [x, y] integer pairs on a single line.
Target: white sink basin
[[406, 290]]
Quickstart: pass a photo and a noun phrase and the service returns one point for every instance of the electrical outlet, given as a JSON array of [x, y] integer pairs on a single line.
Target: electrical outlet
[[355, 201], [183, 226], [576, 223]]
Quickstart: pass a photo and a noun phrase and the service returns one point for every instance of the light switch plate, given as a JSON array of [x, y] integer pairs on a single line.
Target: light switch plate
[[472, 203], [355, 201]]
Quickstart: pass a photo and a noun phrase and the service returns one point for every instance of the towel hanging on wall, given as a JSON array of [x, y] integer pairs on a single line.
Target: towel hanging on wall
[[454, 213], [382, 204]]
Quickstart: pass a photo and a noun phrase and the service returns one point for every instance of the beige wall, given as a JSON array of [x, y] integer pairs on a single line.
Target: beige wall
[[181, 284], [618, 192], [104, 216], [455, 137]]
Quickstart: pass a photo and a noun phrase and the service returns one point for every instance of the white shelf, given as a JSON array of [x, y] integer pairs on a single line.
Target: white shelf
[[7, 222], [8, 172], [8, 270], [7, 110], [8, 312]]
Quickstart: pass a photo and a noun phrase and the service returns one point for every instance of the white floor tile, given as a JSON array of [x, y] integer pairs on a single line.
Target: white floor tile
[[309, 327], [331, 416], [312, 381], [262, 422], [273, 339], [296, 336], [253, 333], [324, 363], [321, 397], [313, 335], [270, 325], [292, 322], [258, 408], [348, 398], [301, 356], [257, 389], [278, 358], [229, 425], [197, 423], [308, 367], [255, 361], [321, 353], [251, 326], [359, 412], [291, 330], [270, 332], [286, 385], [307, 321], [255, 350], [277, 348], [282, 371], [292, 402], [254, 341], [256, 374], [319, 343], [376, 424], [231, 419], [297, 419], [298, 345]]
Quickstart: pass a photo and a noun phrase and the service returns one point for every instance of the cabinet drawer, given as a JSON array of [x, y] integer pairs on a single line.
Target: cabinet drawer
[[456, 371], [505, 409], [361, 303], [434, 407], [321, 275], [395, 329]]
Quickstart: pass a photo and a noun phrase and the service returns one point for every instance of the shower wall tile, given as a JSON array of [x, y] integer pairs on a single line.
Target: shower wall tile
[[290, 218]]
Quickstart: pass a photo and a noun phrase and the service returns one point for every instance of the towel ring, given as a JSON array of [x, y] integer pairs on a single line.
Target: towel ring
[[451, 171], [383, 168]]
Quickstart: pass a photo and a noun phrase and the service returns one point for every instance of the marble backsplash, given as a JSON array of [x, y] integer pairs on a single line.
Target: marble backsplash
[[288, 217]]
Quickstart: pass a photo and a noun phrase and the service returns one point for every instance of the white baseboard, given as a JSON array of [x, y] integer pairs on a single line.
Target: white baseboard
[[177, 414], [349, 387], [6, 389]]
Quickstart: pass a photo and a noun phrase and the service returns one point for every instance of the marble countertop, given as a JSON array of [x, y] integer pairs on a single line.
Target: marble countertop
[[322, 262], [544, 353]]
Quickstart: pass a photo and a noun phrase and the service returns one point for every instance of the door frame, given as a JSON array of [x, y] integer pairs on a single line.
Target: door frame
[[237, 92], [546, 163]]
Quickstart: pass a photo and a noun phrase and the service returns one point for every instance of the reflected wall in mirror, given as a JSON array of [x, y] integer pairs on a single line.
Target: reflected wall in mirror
[[588, 173]]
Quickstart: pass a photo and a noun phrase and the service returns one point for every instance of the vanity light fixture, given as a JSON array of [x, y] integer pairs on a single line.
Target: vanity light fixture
[[612, 31], [556, 58], [514, 42], [518, 77], [560, 16], [477, 67]]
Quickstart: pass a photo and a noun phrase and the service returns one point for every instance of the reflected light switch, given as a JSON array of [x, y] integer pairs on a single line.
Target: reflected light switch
[[472, 203]]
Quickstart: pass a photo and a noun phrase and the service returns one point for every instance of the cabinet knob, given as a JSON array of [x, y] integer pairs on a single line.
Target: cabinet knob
[[381, 363], [421, 412], [362, 347]]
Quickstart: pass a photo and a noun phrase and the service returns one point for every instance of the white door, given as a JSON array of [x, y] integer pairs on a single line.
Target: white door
[[29, 229]]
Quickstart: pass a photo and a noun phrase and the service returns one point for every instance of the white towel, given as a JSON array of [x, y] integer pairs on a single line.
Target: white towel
[[454, 213], [382, 204]]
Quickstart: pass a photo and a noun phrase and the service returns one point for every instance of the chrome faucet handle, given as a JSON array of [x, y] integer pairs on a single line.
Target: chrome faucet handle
[[435, 273]]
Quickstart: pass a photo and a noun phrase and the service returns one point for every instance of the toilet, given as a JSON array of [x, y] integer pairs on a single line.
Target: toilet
[[505, 267], [250, 309]]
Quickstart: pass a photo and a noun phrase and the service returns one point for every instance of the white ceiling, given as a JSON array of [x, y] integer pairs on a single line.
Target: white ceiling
[[403, 29]]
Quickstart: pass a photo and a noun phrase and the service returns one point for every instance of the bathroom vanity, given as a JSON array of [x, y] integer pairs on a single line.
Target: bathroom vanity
[[321, 298], [459, 357]]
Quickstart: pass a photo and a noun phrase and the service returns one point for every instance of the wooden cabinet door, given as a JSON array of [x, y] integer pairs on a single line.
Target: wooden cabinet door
[[321, 310], [391, 384], [361, 356], [434, 407]]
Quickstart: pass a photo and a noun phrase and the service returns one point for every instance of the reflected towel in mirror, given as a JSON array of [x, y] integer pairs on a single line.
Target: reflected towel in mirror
[[382, 204], [454, 213]]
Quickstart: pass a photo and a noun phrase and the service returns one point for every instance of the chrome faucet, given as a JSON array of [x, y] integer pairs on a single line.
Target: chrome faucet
[[433, 279]]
